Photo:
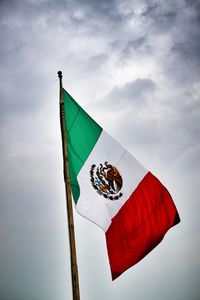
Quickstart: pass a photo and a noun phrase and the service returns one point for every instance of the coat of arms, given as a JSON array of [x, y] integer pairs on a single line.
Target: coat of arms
[[106, 180]]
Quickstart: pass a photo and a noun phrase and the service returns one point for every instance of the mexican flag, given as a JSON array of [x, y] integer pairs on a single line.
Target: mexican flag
[[113, 190]]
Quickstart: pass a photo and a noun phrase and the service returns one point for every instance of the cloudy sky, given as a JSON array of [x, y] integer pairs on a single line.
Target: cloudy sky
[[135, 67]]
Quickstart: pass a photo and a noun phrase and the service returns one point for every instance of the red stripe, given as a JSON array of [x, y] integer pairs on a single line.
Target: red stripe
[[140, 225]]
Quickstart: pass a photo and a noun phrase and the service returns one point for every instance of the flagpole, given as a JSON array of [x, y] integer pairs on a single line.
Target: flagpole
[[74, 267]]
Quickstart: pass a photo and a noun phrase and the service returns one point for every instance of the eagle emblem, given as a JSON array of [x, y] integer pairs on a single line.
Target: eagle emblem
[[106, 180]]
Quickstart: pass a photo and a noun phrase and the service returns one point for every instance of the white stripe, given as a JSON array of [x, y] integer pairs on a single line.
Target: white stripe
[[90, 204]]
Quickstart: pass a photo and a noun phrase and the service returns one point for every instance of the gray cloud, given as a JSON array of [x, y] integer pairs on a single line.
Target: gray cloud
[[97, 62], [138, 46], [162, 15], [132, 93], [183, 61]]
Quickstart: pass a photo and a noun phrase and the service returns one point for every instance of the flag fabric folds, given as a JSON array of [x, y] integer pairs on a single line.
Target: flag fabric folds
[[113, 190]]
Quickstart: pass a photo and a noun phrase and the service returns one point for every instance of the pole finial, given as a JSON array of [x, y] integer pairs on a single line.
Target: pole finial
[[60, 74]]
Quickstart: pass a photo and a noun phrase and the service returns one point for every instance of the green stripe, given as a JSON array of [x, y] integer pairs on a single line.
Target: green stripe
[[82, 134]]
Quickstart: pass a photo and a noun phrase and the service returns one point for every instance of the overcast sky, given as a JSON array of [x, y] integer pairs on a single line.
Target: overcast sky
[[135, 67]]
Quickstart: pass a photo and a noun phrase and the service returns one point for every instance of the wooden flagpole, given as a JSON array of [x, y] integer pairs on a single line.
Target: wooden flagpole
[[74, 267]]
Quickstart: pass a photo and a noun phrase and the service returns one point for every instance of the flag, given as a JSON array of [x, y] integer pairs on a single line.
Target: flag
[[113, 190]]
